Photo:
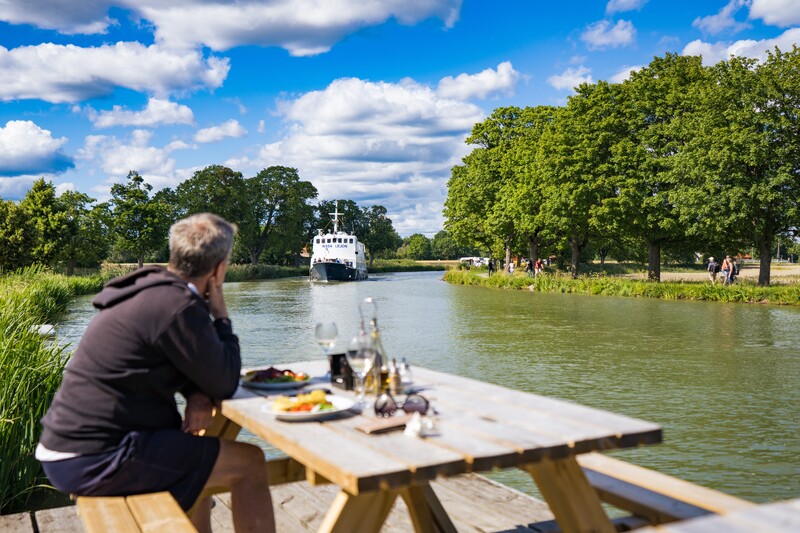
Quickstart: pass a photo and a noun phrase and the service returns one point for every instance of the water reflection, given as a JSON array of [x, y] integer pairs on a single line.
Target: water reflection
[[722, 379]]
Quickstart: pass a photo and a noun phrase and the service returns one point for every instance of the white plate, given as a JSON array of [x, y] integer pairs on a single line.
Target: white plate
[[275, 385], [340, 405]]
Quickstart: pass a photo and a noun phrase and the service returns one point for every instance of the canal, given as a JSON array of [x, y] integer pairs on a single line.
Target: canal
[[722, 379]]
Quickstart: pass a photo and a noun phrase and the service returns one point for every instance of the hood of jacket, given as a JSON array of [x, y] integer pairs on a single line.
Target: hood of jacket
[[120, 289]]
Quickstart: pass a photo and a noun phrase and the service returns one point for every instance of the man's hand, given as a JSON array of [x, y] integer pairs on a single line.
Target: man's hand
[[198, 413], [216, 301]]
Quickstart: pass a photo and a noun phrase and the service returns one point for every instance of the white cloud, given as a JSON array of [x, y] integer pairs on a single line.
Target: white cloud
[[377, 143], [230, 128], [714, 52], [619, 6], [602, 34], [86, 16], [781, 13], [624, 73], [481, 85], [303, 27], [156, 112], [25, 148], [117, 157], [67, 73], [570, 78], [262, 126], [723, 21]]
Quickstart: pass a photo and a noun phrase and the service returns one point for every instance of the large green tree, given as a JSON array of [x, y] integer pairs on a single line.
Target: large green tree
[[215, 189], [87, 242], [380, 235], [743, 163], [416, 246], [49, 219], [17, 236], [140, 223], [274, 197]]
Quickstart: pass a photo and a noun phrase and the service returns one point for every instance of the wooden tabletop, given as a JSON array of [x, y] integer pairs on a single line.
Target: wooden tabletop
[[479, 426]]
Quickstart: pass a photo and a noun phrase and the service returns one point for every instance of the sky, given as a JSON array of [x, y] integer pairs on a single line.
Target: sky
[[371, 100]]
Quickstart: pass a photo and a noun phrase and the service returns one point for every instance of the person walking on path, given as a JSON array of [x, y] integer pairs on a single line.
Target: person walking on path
[[734, 269], [727, 269], [529, 268], [539, 266], [510, 268], [114, 428], [490, 267], [713, 268]]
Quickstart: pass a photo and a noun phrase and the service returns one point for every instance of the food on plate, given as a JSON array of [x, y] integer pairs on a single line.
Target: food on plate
[[314, 401], [273, 375]]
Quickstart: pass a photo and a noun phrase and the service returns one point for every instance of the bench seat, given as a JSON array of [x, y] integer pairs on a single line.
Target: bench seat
[[133, 514]]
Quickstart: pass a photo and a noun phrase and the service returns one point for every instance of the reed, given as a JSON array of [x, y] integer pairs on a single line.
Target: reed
[[31, 368], [742, 291]]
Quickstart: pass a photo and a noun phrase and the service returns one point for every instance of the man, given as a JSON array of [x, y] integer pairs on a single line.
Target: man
[[713, 268], [114, 428], [727, 268]]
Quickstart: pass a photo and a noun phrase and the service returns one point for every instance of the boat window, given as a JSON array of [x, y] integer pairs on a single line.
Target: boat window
[[351, 241], [316, 240], [340, 240], [329, 240]]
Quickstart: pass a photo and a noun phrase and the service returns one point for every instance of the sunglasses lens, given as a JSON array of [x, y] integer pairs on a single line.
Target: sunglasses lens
[[415, 404], [385, 405]]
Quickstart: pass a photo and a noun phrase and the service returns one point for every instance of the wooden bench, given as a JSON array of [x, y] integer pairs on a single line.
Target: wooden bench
[[766, 518], [142, 513], [656, 497]]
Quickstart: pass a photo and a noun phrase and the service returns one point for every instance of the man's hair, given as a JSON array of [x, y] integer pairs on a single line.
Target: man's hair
[[197, 244]]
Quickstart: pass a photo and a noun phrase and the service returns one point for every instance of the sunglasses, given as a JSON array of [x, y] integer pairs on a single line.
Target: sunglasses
[[386, 405]]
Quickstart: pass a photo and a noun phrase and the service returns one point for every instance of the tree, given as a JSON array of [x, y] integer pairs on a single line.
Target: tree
[[275, 196], [49, 220], [652, 132], [17, 236], [380, 235], [214, 189], [87, 242], [744, 161], [576, 164], [352, 218], [140, 224], [443, 246], [416, 246]]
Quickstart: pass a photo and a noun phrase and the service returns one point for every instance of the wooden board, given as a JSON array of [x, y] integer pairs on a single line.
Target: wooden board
[[100, 515], [16, 523], [58, 520], [781, 517], [157, 512]]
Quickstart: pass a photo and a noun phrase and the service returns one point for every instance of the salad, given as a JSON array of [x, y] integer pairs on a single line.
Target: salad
[[273, 375], [314, 401]]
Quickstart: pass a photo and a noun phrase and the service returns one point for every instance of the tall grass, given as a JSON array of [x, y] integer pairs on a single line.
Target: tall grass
[[31, 368], [742, 291]]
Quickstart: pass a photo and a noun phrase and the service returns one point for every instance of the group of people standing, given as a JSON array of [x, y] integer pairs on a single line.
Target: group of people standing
[[532, 268], [729, 270]]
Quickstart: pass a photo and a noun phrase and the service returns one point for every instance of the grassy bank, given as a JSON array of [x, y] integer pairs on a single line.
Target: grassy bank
[[31, 368], [609, 286]]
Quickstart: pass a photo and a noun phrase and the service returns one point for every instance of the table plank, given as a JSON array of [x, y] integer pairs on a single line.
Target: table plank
[[314, 444]]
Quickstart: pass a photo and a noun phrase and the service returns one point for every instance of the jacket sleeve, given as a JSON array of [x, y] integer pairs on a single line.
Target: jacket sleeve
[[206, 352]]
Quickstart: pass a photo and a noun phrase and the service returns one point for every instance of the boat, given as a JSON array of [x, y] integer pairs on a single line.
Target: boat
[[337, 255]]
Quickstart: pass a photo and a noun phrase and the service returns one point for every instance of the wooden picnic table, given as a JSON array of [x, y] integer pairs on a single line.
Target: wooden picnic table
[[479, 426]]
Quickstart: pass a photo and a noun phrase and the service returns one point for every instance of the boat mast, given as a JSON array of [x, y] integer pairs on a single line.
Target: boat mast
[[336, 218]]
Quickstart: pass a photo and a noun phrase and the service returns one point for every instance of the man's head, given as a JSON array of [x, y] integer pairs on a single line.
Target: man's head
[[197, 244]]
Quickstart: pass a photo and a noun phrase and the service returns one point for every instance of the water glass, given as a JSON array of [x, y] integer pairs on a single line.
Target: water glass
[[361, 358]]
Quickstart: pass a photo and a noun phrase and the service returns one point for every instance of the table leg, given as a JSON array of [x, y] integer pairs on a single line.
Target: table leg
[[571, 498], [427, 513], [361, 513]]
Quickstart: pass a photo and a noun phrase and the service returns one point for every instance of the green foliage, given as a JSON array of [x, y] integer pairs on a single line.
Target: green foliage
[[31, 368], [741, 292], [416, 246], [49, 220], [379, 235], [17, 235], [140, 223]]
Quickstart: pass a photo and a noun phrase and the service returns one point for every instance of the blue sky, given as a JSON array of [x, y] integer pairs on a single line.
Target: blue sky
[[369, 99]]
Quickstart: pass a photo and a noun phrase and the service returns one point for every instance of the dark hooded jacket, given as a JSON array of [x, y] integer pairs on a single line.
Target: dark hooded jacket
[[153, 337]]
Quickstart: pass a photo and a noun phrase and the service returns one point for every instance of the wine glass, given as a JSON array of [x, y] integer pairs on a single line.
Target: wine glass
[[360, 357], [325, 334]]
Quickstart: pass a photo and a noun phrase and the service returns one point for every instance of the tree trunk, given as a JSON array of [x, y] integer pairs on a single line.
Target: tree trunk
[[533, 248], [71, 266], [654, 261], [574, 265], [765, 260], [508, 255], [603, 253], [141, 260]]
